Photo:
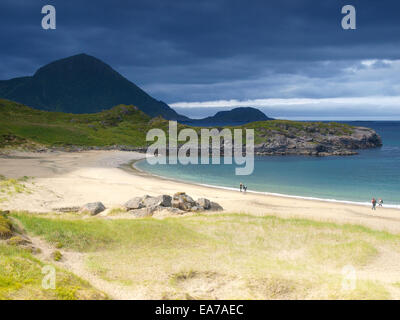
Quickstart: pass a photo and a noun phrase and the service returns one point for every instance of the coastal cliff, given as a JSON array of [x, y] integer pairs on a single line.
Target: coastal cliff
[[317, 141]]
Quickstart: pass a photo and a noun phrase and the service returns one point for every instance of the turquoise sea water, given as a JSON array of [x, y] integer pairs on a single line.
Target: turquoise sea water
[[372, 173]]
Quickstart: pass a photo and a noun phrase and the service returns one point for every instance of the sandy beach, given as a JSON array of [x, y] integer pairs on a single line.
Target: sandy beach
[[73, 179]]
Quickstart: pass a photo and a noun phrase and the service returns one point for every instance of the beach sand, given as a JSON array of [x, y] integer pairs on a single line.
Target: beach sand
[[73, 179]]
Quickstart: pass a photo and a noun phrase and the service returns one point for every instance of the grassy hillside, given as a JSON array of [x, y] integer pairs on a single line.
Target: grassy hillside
[[122, 125], [22, 273], [228, 256], [21, 278]]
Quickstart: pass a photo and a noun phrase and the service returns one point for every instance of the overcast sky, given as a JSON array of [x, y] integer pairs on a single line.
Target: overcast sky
[[290, 58]]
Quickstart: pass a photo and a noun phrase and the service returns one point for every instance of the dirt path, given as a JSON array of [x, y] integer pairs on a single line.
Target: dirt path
[[75, 263]]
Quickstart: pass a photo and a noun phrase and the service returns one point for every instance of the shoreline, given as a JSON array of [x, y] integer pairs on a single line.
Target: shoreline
[[73, 179], [266, 193]]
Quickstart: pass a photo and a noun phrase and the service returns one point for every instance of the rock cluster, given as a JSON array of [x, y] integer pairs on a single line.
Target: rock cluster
[[178, 204], [147, 205]]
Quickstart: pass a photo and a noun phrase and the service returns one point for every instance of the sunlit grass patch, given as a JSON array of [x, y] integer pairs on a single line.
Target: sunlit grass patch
[[356, 253], [11, 187], [74, 234], [21, 278]]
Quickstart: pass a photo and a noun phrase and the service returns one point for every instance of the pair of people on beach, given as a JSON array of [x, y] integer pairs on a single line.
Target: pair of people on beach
[[242, 187], [380, 203]]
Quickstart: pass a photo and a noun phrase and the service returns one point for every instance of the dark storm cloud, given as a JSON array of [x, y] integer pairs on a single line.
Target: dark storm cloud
[[213, 49]]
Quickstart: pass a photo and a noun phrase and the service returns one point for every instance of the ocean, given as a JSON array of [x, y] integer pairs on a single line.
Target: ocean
[[371, 173]]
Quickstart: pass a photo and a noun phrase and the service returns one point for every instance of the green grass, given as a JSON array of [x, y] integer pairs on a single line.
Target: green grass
[[21, 274], [57, 255], [102, 234], [5, 228], [229, 256], [21, 278], [122, 125], [11, 187]]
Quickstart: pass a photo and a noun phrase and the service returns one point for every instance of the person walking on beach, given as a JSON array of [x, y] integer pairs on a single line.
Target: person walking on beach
[[241, 187], [380, 202], [244, 188], [373, 204]]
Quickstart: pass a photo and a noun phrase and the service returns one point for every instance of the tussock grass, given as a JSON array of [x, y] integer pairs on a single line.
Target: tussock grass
[[5, 227], [21, 278], [224, 256], [11, 187]]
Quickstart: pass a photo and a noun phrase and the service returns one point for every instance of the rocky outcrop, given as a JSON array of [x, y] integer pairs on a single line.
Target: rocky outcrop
[[318, 142], [180, 203], [183, 202], [148, 202], [205, 203], [163, 201]]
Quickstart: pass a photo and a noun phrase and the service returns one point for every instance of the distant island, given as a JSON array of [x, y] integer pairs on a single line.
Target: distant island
[[232, 117]]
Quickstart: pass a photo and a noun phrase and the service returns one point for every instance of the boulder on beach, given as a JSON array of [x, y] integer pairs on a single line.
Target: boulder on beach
[[144, 212], [182, 201], [148, 201], [163, 201], [215, 207], [92, 208], [134, 203], [204, 203], [197, 208]]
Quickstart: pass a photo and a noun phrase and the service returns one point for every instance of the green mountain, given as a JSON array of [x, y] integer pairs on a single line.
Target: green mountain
[[81, 84]]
